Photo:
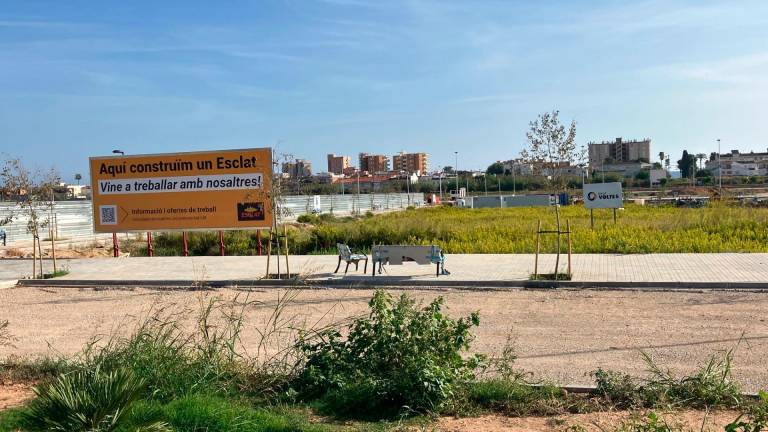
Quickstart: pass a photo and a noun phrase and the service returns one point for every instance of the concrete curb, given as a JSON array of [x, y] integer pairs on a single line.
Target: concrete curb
[[760, 286], [8, 283], [398, 283]]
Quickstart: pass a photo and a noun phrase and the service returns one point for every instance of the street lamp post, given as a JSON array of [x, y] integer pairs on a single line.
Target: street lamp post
[[358, 192], [408, 187], [514, 180], [456, 171], [719, 169], [440, 182], [120, 152]]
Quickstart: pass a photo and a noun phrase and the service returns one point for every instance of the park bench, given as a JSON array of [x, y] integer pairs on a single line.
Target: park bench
[[397, 255], [348, 255]]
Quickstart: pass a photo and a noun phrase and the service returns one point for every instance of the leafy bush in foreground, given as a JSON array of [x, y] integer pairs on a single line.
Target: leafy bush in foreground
[[399, 358], [92, 401]]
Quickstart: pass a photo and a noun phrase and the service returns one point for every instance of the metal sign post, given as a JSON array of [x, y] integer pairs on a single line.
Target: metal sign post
[[602, 195]]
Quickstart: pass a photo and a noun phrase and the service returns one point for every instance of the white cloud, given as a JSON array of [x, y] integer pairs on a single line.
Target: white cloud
[[743, 70]]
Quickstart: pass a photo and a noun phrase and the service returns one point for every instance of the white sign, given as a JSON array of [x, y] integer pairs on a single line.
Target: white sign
[[603, 195]]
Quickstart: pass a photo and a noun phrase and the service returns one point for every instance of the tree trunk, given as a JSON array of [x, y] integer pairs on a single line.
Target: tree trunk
[[40, 250], [53, 250], [557, 258], [34, 258]]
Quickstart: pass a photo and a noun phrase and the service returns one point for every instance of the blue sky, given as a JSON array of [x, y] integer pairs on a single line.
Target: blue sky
[[311, 77]]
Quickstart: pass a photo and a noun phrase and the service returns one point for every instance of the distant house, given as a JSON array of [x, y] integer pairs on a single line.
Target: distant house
[[735, 164]]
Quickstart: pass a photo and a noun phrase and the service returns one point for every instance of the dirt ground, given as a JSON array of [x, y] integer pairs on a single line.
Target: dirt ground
[[95, 247], [593, 422], [559, 335], [14, 394]]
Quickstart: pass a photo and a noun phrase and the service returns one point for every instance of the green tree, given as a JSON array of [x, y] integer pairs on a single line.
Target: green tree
[[687, 164], [496, 168], [550, 143]]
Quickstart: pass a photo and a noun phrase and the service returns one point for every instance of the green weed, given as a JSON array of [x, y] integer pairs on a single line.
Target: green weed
[[754, 419], [711, 386], [87, 400]]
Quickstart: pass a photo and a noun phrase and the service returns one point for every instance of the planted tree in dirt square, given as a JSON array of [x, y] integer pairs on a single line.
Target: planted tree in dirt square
[[33, 195]]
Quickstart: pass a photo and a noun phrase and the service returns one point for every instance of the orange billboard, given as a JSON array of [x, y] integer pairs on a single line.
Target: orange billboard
[[213, 190]]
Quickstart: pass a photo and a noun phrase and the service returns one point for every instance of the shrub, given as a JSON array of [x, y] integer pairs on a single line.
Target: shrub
[[619, 388], [398, 358], [88, 400], [307, 218]]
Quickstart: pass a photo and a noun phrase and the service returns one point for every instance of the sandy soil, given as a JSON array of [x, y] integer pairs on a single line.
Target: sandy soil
[[597, 422], [95, 247], [13, 395], [559, 335]]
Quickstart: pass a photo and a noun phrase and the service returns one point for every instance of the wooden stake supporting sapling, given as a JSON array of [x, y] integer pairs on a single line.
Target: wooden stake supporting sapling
[[559, 233]]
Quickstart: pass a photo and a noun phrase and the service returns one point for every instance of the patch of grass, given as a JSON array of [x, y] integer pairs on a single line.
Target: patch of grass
[[57, 238], [57, 273], [12, 419], [521, 399], [649, 422], [204, 413], [550, 277]]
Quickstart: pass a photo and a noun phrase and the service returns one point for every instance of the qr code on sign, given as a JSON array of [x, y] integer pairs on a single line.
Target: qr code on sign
[[108, 214]]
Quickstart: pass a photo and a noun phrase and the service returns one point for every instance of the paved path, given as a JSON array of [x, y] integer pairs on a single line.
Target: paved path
[[728, 267]]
